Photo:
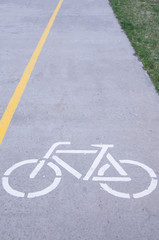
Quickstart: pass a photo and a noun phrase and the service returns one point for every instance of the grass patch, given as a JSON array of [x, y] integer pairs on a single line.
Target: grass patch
[[140, 20]]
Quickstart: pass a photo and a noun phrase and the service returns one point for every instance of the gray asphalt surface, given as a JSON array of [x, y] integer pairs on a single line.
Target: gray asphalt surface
[[87, 87]]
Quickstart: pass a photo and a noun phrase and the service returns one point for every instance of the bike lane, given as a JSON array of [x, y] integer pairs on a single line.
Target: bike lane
[[87, 88]]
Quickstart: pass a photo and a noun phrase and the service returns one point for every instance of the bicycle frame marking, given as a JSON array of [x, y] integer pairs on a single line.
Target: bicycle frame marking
[[77, 151], [67, 167], [72, 170], [123, 176], [95, 164]]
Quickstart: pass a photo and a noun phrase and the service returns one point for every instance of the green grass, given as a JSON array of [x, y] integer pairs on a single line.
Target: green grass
[[140, 20]]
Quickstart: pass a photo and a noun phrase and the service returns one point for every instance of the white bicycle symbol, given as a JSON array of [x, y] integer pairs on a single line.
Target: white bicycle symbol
[[101, 178]]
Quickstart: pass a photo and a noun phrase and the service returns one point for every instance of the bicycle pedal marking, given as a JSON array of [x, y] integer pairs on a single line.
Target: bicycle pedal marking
[[56, 164]]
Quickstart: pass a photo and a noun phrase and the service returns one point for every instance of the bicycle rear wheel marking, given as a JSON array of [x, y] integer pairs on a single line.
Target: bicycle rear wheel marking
[[153, 183], [150, 189], [105, 186]]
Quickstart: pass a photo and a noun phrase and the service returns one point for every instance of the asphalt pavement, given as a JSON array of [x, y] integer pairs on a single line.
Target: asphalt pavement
[[88, 90]]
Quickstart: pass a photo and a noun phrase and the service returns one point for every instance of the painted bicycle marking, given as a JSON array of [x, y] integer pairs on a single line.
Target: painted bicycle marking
[[56, 163]]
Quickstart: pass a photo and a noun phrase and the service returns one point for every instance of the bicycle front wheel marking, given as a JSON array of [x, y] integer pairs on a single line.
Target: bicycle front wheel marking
[[5, 179], [52, 186], [9, 189], [16, 193], [46, 190]]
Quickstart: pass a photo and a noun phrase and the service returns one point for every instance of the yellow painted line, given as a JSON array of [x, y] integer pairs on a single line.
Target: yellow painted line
[[12, 105]]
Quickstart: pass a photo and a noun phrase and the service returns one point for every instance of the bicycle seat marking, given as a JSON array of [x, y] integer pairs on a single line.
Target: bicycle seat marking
[[52, 161]]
